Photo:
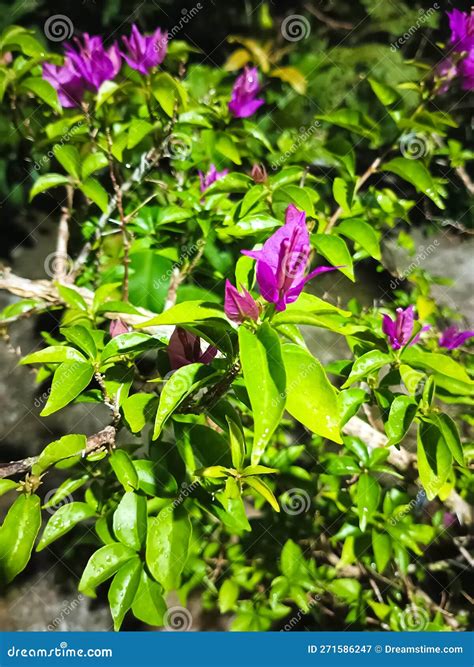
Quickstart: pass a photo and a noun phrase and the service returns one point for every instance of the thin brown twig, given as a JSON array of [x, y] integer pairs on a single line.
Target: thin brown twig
[[61, 258], [327, 20]]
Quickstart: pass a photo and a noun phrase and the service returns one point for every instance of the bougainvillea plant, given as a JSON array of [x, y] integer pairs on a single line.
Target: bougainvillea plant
[[233, 461]]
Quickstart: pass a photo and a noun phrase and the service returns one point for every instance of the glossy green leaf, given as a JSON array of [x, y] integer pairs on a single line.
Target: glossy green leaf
[[138, 410], [363, 234], [70, 379], [69, 447], [69, 158], [123, 590], [415, 172], [265, 380], [46, 182], [44, 90], [402, 412], [130, 520], [368, 497], [149, 605], [81, 338], [64, 520], [335, 250], [365, 365], [382, 547], [17, 536], [96, 192], [168, 540], [434, 458], [228, 596], [451, 436], [262, 489], [124, 469], [55, 354], [310, 397], [188, 312], [102, 565]]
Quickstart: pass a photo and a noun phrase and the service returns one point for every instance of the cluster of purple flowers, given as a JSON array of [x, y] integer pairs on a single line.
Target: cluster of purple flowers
[[462, 47], [88, 64]]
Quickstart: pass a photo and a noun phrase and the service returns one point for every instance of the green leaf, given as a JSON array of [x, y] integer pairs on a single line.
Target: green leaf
[[154, 479], [227, 146], [343, 192], [291, 560], [65, 490], [72, 297], [363, 234], [138, 129], [124, 469], [415, 172], [44, 90], [138, 410], [368, 497], [450, 433], [69, 158], [105, 92], [382, 547], [386, 94], [435, 361], [167, 91], [168, 541], [402, 413], [434, 458], [7, 485], [260, 487], [102, 565], [94, 191], [123, 590], [81, 338], [264, 375], [228, 596], [55, 354], [188, 312], [17, 536], [92, 163], [70, 379], [293, 194], [130, 519], [149, 605], [366, 364], [63, 521], [68, 447], [127, 343], [182, 382], [46, 182], [336, 251], [237, 444], [310, 397]]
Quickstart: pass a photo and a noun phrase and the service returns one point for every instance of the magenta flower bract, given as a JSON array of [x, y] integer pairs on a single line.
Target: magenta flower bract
[[400, 330], [93, 62], [452, 337], [185, 348], [466, 71], [282, 262], [66, 81], [118, 327], [239, 306], [462, 30], [244, 101], [206, 180], [145, 52]]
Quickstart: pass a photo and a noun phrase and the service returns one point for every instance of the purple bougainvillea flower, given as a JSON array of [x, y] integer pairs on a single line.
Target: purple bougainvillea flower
[[452, 337], [400, 330], [462, 30], [118, 327], [244, 101], [211, 177], [145, 52], [466, 71], [447, 71], [282, 262], [93, 62], [185, 348], [68, 83], [239, 306]]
